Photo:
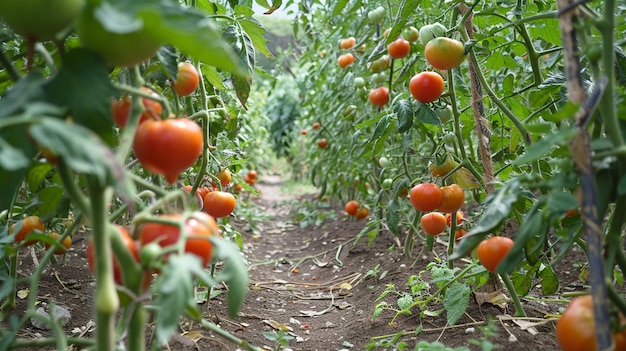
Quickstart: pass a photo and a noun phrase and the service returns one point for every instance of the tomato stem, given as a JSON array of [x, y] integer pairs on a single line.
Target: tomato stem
[[519, 310]]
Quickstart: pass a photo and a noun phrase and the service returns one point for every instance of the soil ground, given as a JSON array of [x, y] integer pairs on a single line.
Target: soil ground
[[314, 283]]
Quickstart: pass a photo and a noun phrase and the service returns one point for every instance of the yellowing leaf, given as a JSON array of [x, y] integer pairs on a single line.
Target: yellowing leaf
[[465, 179]]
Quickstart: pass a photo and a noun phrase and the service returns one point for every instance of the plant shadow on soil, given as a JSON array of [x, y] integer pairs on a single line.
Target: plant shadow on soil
[[315, 282]]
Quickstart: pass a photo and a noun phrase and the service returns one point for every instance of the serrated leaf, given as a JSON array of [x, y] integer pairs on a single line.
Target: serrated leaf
[[404, 111], [544, 146], [36, 175], [549, 281], [174, 294], [392, 217], [426, 115], [83, 85], [405, 301], [456, 301], [234, 273], [380, 129], [255, 30], [49, 198]]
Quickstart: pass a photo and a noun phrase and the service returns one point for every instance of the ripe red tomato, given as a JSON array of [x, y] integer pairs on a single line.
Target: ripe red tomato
[[200, 227], [444, 53], [28, 225], [426, 197], [345, 60], [399, 48], [576, 329], [322, 143], [433, 223], [361, 213], [249, 180], [351, 207], [130, 245], [442, 168], [121, 108], [426, 86], [304, 132], [252, 174], [491, 251], [66, 243], [224, 177], [219, 203], [187, 79], [347, 43], [459, 218], [168, 147], [379, 96], [316, 125], [453, 198]]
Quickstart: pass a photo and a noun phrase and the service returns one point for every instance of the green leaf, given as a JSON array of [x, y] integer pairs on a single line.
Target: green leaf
[[83, 85], [404, 111], [174, 294], [80, 148], [11, 158], [339, 6], [392, 217], [426, 115], [255, 30], [381, 128], [50, 199], [26, 91], [544, 146], [214, 78], [405, 301], [523, 279], [36, 175], [234, 273], [242, 89], [456, 301], [549, 281]]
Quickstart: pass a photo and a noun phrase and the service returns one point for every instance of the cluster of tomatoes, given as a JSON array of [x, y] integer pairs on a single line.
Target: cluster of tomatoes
[[354, 209], [441, 53], [168, 146], [34, 224], [428, 197], [154, 239]]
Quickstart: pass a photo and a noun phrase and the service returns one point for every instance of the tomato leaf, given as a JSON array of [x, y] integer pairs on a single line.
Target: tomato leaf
[[392, 216], [49, 199], [242, 89], [340, 5], [426, 115], [234, 274], [174, 293], [456, 301], [36, 175], [523, 279], [404, 111], [255, 31], [83, 85], [549, 281]]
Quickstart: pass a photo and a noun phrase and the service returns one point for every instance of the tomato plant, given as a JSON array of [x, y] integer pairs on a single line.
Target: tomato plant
[[379, 96], [399, 48], [219, 203], [121, 108], [491, 251], [433, 223], [346, 60], [444, 53], [426, 197], [187, 79], [426, 86], [168, 147], [26, 226], [452, 199], [199, 227], [351, 207]]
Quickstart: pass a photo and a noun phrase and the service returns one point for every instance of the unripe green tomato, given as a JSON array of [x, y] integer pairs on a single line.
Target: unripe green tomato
[[410, 34], [39, 19], [379, 78], [449, 138], [359, 82], [376, 15], [349, 111], [444, 113], [431, 31], [384, 162], [117, 49], [149, 254], [387, 183]]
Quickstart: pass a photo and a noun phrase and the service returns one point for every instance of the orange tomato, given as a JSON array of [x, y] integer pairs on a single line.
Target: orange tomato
[[379, 96], [433, 223], [219, 204], [453, 198], [426, 86], [28, 225], [351, 207], [399, 48], [347, 43], [426, 197], [345, 60]]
